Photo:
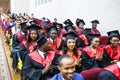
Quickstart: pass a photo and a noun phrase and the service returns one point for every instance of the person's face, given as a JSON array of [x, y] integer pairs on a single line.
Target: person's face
[[114, 41], [53, 34], [71, 44], [67, 69], [95, 42], [81, 25], [94, 25], [18, 24], [46, 47], [43, 31], [33, 35]]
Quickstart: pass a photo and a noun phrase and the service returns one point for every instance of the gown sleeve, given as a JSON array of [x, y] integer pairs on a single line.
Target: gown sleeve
[[30, 71]]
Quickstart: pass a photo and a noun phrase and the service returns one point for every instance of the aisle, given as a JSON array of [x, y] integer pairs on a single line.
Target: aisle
[[11, 75], [4, 67]]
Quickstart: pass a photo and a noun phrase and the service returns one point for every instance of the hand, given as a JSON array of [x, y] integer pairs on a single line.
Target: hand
[[114, 61], [98, 57], [78, 63], [47, 68]]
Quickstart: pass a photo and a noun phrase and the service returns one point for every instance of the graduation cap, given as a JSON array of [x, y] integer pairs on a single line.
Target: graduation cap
[[68, 22], [92, 36], [41, 41], [95, 21], [33, 27], [114, 33], [52, 28], [67, 28], [78, 21], [70, 35], [23, 25], [59, 25]]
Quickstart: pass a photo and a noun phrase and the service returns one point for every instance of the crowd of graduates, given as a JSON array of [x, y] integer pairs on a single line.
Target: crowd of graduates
[[46, 50]]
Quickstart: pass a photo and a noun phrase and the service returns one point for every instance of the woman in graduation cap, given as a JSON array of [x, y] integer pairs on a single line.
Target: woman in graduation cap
[[112, 58], [69, 48], [55, 42], [41, 63], [30, 44], [94, 29], [92, 55], [92, 59]]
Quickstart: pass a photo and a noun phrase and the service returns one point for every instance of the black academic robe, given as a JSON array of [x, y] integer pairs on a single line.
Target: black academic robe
[[110, 55], [88, 58], [17, 39], [34, 64]]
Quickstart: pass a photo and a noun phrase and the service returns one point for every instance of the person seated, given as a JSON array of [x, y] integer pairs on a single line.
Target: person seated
[[69, 48], [112, 58], [54, 42], [67, 69], [41, 64], [92, 56], [94, 29]]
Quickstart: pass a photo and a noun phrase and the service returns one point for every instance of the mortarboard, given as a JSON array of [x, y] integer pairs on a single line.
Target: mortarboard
[[23, 25], [52, 28], [33, 27], [95, 21], [41, 41], [114, 33], [91, 36], [67, 28], [68, 22], [70, 35], [78, 21], [59, 25]]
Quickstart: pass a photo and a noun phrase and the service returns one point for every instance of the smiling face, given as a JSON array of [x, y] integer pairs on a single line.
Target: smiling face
[[95, 42], [114, 41], [71, 44], [33, 35], [67, 68]]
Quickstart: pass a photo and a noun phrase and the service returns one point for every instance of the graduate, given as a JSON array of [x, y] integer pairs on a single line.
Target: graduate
[[94, 29], [55, 42], [80, 26], [60, 30], [40, 64], [69, 48], [17, 39], [92, 55], [67, 69], [112, 58], [31, 44], [81, 32]]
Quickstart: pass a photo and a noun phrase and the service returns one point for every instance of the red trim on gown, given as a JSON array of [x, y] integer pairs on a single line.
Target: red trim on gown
[[56, 45], [38, 58], [95, 32], [113, 53], [91, 54]]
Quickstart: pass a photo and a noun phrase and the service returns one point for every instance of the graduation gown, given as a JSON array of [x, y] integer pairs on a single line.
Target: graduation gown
[[24, 50], [78, 68], [112, 54], [35, 63], [76, 76], [88, 58], [17, 39], [58, 44], [95, 32]]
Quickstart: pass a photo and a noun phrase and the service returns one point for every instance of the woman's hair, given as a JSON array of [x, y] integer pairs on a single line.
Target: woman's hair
[[65, 49], [29, 39]]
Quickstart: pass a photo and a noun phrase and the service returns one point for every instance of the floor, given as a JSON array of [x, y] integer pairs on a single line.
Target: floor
[[6, 71]]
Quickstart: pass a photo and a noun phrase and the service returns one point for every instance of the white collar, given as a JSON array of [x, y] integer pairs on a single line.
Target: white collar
[[41, 53]]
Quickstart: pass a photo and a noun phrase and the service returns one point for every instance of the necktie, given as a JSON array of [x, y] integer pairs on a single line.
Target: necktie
[[53, 41], [45, 56]]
